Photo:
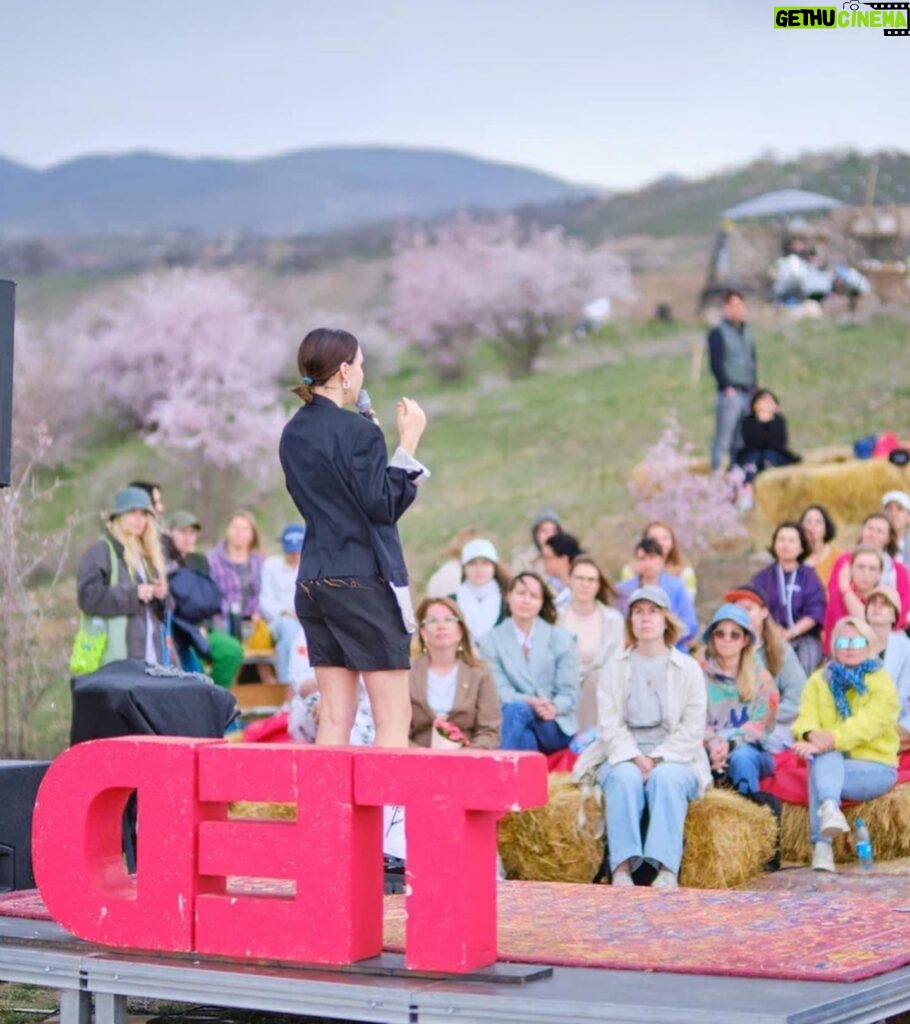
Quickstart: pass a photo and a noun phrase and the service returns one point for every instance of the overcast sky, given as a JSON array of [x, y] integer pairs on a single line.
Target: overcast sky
[[592, 90]]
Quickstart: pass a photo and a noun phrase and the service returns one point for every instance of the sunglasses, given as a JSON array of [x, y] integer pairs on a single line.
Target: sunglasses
[[850, 643], [446, 620], [728, 634]]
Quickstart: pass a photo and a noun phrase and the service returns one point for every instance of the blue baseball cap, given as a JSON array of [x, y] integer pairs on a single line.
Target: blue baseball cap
[[729, 613], [292, 538]]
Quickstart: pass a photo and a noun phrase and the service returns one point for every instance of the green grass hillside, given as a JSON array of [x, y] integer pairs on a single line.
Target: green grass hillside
[[568, 437]]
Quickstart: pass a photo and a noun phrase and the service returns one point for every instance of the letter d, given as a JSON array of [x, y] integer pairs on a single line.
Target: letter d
[[76, 841]]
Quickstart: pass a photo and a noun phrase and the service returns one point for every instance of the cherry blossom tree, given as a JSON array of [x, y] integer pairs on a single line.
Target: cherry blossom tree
[[701, 507], [191, 362], [517, 287]]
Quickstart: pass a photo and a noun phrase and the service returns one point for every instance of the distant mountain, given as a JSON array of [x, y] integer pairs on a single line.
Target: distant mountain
[[306, 192], [677, 206]]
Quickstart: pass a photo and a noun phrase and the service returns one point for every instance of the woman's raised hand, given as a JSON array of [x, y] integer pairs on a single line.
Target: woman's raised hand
[[412, 421]]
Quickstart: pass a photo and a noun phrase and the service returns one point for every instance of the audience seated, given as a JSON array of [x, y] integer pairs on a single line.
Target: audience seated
[[447, 577], [449, 681], [795, 596], [276, 597], [892, 646], [650, 571], [742, 703], [778, 657], [198, 641], [819, 530], [878, 532], [896, 506], [849, 590], [236, 566], [536, 670], [675, 561], [764, 436], [847, 729], [651, 706], [598, 628], [480, 594], [529, 557], [558, 552]]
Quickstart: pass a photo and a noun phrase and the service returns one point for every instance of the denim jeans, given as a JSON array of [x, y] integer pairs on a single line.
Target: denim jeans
[[285, 632], [523, 730], [667, 793], [834, 776], [747, 765], [729, 411]]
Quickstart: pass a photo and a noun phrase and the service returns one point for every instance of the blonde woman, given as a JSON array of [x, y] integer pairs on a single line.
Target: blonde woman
[[847, 731], [134, 607], [742, 702]]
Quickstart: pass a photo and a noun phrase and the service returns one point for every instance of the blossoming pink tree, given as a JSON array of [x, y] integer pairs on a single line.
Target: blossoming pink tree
[[700, 506], [192, 363], [517, 287]]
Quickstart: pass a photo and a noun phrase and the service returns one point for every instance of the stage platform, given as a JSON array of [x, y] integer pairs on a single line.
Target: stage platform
[[95, 985]]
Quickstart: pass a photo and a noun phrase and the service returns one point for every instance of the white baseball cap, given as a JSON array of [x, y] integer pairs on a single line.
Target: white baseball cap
[[901, 498]]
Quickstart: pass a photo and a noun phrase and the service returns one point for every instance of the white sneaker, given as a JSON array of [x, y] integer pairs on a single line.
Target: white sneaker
[[623, 880], [823, 857], [831, 820], [666, 879]]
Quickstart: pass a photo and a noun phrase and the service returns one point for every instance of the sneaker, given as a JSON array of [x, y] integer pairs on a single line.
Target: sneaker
[[823, 857], [666, 879], [831, 820], [623, 880]]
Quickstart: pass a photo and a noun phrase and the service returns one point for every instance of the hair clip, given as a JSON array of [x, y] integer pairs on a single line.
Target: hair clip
[[308, 380]]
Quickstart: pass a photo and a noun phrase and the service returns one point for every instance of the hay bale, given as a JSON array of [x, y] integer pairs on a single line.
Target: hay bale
[[848, 490], [728, 840], [546, 844], [247, 810], [888, 819]]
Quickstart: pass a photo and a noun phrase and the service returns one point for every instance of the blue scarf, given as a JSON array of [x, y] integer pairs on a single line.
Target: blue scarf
[[842, 678]]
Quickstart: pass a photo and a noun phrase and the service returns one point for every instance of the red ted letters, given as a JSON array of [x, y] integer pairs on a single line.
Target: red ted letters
[[178, 901]]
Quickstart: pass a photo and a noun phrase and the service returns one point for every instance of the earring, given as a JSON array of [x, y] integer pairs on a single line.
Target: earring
[[460, 649], [346, 384]]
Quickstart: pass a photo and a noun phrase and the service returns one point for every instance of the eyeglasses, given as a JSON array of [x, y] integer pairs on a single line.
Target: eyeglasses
[[445, 620], [850, 643], [728, 634]]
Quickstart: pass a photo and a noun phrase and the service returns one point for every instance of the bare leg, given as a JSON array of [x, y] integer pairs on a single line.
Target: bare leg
[[337, 706], [390, 700]]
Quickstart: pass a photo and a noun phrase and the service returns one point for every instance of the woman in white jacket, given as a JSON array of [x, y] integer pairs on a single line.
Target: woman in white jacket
[[651, 705]]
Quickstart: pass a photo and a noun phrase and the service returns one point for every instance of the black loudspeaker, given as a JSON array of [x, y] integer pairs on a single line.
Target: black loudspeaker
[[7, 316], [19, 782]]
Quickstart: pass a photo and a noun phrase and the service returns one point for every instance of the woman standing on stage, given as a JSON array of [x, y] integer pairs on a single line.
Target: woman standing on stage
[[352, 597]]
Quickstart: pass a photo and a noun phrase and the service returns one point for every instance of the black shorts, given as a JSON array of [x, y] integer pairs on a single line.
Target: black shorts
[[353, 622]]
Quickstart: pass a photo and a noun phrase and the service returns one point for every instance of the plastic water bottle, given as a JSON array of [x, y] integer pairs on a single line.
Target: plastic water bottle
[[582, 739], [863, 845]]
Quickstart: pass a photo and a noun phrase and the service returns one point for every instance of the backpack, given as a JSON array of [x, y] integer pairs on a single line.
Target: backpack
[[197, 596]]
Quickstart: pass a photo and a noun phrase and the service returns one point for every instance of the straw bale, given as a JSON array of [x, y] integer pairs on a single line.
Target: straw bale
[[547, 844], [247, 810], [848, 490], [887, 817], [728, 840]]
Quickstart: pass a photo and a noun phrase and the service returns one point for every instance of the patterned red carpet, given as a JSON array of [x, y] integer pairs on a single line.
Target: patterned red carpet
[[839, 934]]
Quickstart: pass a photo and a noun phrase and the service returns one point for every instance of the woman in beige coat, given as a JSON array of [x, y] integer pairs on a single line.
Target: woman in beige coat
[[449, 681]]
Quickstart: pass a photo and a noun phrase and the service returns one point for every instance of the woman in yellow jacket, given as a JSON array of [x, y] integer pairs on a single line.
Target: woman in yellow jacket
[[847, 730]]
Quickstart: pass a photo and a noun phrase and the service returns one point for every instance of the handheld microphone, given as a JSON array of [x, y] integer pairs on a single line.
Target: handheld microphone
[[365, 406]]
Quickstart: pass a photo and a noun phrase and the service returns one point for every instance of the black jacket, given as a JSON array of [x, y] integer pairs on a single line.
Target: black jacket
[[337, 473]]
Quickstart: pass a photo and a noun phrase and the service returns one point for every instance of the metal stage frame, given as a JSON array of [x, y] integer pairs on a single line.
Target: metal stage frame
[[95, 984]]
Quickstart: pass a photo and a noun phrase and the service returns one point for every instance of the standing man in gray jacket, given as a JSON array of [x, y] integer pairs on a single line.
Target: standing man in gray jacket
[[731, 352]]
